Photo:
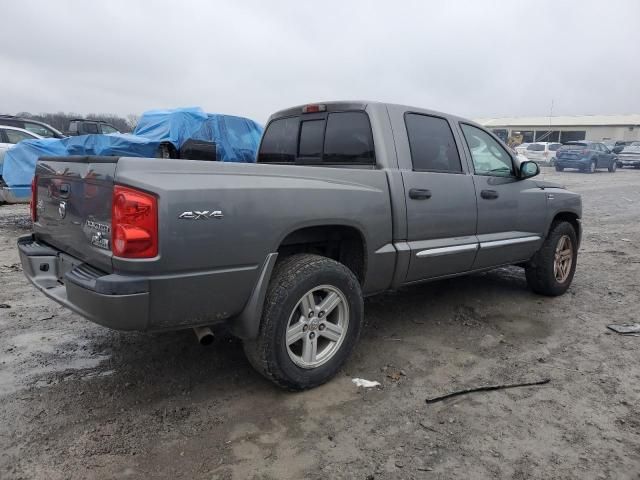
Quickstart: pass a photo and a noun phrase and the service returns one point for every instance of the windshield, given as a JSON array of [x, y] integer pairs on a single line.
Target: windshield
[[574, 145]]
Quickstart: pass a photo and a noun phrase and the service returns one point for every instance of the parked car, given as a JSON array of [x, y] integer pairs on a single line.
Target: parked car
[[522, 148], [630, 156], [621, 144], [39, 128], [586, 156], [347, 199], [542, 152], [9, 136], [87, 127]]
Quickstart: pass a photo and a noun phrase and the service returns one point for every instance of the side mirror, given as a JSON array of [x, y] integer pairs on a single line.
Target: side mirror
[[528, 170]]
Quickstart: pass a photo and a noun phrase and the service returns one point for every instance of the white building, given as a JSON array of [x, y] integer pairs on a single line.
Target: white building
[[566, 128]]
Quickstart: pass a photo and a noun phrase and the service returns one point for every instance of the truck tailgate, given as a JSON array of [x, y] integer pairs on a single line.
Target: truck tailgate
[[73, 206]]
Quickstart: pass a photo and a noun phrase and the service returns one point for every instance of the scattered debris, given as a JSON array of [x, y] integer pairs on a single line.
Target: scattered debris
[[46, 318], [428, 427], [13, 267], [5, 305], [625, 239], [395, 376], [631, 329], [361, 382], [486, 389]]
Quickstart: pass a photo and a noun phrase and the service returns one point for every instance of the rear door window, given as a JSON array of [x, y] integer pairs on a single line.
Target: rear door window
[[433, 148], [91, 127], [280, 141], [348, 138], [535, 147]]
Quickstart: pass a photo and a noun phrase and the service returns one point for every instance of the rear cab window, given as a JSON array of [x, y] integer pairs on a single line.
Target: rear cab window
[[536, 147], [332, 138]]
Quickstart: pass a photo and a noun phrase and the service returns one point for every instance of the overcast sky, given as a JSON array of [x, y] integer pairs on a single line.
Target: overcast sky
[[471, 58]]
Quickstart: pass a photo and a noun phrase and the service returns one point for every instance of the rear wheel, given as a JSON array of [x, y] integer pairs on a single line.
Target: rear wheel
[[551, 269], [559, 168], [311, 321]]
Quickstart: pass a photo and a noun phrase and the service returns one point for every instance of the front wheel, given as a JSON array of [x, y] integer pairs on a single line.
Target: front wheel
[[592, 167], [612, 168], [559, 168], [311, 321], [551, 269]]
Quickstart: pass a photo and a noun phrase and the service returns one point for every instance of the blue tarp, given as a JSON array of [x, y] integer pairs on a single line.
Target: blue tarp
[[176, 125], [20, 161], [236, 139]]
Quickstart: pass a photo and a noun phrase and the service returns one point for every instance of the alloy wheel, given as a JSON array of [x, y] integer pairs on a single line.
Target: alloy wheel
[[563, 259], [317, 326]]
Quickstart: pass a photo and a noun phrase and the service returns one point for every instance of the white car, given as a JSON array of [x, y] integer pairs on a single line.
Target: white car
[[542, 152], [520, 149], [9, 136]]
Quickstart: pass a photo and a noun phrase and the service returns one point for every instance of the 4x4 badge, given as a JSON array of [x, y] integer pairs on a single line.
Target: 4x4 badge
[[203, 215]]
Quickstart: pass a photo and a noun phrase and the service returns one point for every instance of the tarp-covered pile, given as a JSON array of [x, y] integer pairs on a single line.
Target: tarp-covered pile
[[236, 140]]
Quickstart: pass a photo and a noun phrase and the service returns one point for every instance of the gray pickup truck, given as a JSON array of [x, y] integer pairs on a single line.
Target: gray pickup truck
[[346, 200]]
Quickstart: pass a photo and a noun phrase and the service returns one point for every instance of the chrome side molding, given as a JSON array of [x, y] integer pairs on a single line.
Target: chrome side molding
[[509, 241], [435, 252]]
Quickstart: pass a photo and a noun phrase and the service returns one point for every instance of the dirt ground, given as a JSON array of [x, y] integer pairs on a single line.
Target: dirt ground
[[80, 401]]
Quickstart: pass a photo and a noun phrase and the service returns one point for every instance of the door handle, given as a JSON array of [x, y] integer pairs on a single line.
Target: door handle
[[420, 193], [489, 194]]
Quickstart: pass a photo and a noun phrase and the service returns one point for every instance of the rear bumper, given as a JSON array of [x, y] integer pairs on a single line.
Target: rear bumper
[[572, 163], [149, 302], [114, 301], [625, 162]]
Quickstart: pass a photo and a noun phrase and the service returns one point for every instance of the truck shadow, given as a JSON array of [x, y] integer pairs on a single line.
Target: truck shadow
[[172, 364]]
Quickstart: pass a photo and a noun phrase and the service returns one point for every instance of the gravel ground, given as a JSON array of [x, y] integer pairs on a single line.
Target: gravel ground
[[80, 401]]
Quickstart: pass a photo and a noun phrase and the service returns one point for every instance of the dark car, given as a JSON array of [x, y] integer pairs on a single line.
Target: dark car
[[586, 156], [39, 128], [86, 127]]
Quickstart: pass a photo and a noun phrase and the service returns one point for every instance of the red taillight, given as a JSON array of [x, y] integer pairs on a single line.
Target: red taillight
[[33, 204], [314, 108], [134, 223]]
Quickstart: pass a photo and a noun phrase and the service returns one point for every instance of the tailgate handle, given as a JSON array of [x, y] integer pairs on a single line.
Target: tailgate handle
[[420, 193], [489, 194], [65, 190]]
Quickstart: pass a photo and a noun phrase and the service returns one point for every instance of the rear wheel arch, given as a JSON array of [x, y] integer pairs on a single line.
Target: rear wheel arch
[[345, 244]]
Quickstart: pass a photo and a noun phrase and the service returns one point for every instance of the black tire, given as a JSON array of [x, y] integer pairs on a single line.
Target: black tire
[[592, 167], [292, 278], [539, 270], [559, 168], [612, 167]]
